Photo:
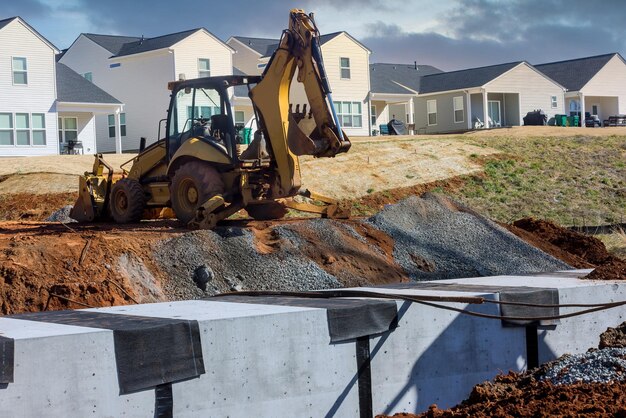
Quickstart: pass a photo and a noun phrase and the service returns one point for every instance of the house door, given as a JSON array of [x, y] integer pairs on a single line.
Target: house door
[[494, 113]]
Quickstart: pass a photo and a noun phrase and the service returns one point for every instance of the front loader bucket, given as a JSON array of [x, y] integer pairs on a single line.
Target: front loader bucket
[[83, 210]]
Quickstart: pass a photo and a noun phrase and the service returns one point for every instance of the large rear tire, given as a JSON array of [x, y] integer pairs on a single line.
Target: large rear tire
[[128, 201], [267, 211], [193, 184]]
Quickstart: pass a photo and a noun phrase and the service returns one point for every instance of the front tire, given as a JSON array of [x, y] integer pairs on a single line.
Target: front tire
[[128, 201], [193, 184]]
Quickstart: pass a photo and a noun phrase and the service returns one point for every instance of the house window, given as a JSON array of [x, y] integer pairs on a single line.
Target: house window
[[88, 76], [594, 110], [373, 114], [554, 102], [112, 125], [204, 67], [431, 112], [20, 71], [6, 129], [349, 114], [459, 112], [261, 66], [240, 117], [39, 128], [68, 129], [344, 64], [22, 129]]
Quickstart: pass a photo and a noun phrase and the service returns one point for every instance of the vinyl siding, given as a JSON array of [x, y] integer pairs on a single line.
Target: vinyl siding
[[609, 81], [201, 45], [535, 90], [445, 113], [245, 59], [142, 87], [39, 95]]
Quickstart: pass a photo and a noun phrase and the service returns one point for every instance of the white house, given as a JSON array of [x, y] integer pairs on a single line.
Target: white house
[[347, 65], [596, 84], [136, 70], [43, 107]]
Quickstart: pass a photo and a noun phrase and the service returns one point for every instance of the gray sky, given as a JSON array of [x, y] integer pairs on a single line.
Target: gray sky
[[449, 34]]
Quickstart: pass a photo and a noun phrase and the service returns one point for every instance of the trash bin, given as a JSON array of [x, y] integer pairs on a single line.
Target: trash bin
[[574, 120], [561, 120], [246, 135]]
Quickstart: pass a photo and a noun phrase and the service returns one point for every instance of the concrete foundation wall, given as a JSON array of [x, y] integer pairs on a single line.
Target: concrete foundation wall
[[275, 361]]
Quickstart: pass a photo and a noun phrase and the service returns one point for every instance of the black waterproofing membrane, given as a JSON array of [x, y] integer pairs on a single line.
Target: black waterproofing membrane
[[532, 295], [7, 352], [148, 351], [347, 318]]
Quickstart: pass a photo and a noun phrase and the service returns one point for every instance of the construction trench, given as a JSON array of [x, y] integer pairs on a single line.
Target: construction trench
[[467, 299]]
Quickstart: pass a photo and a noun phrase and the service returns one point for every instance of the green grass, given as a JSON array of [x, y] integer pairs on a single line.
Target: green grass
[[570, 180]]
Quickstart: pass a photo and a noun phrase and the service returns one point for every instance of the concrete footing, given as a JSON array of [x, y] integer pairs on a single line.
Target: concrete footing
[[273, 360]]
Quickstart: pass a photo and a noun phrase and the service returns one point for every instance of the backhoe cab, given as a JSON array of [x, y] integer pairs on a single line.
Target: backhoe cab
[[198, 171]]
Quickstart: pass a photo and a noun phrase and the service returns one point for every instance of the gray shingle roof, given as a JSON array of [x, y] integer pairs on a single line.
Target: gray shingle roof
[[384, 78], [463, 79], [74, 88], [574, 74], [151, 44], [5, 22], [260, 45], [267, 46], [111, 43]]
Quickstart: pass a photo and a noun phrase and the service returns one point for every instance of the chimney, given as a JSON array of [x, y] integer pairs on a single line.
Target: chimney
[[415, 63], [141, 41]]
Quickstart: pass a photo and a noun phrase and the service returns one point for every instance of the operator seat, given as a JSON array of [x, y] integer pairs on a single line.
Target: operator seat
[[220, 126]]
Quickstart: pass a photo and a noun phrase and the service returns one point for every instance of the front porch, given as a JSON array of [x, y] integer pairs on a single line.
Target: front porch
[[501, 109], [385, 107], [77, 126]]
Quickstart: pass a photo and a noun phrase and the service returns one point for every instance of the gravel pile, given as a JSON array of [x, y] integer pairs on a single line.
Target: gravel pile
[[432, 238], [227, 259], [597, 366], [62, 215], [437, 238]]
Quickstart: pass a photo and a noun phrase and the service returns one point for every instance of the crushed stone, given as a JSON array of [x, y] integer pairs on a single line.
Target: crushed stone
[[62, 215]]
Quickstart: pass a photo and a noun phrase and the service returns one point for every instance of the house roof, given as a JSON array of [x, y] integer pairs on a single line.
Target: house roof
[[390, 78], [463, 79], [260, 45], [74, 88], [574, 74], [111, 43], [266, 46], [152, 44], [5, 22]]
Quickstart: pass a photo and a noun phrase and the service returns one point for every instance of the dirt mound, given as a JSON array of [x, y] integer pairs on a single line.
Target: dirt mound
[[612, 269], [614, 337], [587, 248], [26, 206], [50, 267]]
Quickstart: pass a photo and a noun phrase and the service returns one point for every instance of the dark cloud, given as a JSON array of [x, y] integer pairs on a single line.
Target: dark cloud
[[484, 32], [26, 9]]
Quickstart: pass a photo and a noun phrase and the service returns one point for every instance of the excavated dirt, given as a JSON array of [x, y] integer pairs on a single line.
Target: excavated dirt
[[614, 337], [587, 248], [26, 206]]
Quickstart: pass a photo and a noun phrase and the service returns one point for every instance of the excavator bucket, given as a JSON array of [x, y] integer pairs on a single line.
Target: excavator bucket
[[83, 210], [93, 192]]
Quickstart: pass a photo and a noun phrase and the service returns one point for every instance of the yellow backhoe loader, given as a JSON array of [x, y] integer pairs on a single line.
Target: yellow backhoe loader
[[197, 169]]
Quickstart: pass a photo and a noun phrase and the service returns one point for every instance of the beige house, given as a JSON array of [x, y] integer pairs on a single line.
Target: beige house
[[347, 64], [595, 84], [493, 96]]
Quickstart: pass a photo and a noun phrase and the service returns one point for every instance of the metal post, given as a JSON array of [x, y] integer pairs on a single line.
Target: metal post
[[118, 133]]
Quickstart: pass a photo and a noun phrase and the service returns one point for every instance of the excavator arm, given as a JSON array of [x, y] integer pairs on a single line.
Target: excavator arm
[[299, 48]]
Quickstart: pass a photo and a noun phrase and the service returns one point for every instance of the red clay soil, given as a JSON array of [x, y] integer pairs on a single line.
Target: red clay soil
[[588, 248], [357, 263], [614, 337], [27, 206], [50, 267], [515, 395], [576, 249]]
